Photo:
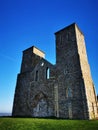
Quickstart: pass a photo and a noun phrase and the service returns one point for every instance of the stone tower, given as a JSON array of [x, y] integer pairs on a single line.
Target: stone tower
[[63, 90]]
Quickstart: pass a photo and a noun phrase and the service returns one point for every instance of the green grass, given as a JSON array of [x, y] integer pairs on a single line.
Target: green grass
[[46, 124]]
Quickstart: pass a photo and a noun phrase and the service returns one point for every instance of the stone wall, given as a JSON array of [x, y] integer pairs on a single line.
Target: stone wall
[[35, 97], [63, 90], [70, 76], [86, 74]]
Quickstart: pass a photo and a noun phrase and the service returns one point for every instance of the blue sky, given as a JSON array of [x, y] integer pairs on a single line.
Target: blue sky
[[24, 23]]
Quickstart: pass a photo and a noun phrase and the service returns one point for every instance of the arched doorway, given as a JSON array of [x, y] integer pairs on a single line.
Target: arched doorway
[[41, 107]]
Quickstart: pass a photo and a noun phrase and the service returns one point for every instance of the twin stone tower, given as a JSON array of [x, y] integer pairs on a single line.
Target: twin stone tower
[[63, 90]]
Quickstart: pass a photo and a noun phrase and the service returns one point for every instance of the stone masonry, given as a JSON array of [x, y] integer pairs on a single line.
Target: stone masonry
[[63, 90]]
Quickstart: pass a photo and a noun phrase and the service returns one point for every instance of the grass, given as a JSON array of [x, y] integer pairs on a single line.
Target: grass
[[46, 124]]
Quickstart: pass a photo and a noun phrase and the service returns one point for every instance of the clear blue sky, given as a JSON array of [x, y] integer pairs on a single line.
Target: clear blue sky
[[24, 23]]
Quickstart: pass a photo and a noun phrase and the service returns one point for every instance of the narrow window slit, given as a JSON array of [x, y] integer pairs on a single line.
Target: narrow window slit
[[47, 73]]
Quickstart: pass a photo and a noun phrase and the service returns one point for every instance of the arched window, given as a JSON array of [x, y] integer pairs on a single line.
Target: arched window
[[69, 92], [47, 73]]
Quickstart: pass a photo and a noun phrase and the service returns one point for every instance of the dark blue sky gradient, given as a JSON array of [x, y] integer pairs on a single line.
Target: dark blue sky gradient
[[24, 23]]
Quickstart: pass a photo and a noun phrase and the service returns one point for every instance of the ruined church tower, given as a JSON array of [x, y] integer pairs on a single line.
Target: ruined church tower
[[63, 90]]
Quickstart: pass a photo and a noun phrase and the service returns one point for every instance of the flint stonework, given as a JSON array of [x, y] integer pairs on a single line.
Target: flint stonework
[[63, 90]]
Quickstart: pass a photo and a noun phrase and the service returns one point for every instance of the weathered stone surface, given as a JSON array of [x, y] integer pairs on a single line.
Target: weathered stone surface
[[63, 90]]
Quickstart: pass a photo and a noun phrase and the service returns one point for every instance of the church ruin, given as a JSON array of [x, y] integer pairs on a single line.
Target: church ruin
[[63, 90]]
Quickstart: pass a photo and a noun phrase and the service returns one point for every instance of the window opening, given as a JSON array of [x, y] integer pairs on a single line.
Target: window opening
[[36, 76], [42, 64], [69, 92], [47, 73]]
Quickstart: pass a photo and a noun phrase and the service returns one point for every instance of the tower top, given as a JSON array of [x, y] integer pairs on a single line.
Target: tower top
[[36, 51], [71, 25]]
